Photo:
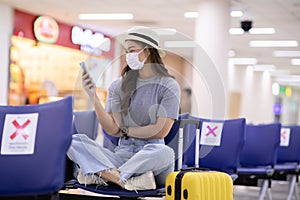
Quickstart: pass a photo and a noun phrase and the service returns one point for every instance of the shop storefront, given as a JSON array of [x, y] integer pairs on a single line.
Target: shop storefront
[[45, 56]]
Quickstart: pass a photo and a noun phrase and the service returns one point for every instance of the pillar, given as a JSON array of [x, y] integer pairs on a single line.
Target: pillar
[[210, 59], [6, 24]]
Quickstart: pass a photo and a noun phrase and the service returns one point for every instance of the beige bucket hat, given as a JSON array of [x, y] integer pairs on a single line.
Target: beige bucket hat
[[145, 35]]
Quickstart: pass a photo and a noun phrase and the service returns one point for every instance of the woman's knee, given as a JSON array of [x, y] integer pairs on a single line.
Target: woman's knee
[[161, 150], [157, 147]]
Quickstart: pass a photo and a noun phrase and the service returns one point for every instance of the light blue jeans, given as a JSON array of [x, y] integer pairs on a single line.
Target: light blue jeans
[[132, 157]]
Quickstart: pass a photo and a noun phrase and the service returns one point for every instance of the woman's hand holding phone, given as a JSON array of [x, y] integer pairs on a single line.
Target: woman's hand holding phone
[[87, 81], [83, 66]]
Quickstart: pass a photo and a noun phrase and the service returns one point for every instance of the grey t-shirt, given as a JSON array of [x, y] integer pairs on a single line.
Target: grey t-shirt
[[154, 97]]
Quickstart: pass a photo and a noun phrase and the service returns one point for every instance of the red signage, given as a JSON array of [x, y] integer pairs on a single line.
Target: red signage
[[24, 27], [46, 29]]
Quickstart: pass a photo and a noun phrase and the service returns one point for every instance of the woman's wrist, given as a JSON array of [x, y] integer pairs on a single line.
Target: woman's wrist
[[93, 96], [125, 131]]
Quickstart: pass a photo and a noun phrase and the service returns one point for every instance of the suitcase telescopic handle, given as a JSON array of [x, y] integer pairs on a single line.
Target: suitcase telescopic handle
[[182, 124]]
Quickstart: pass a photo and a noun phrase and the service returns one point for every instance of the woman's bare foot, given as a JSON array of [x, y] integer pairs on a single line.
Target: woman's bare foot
[[112, 175]]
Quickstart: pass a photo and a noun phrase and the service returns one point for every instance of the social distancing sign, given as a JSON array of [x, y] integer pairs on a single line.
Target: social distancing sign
[[211, 133], [19, 134], [285, 137]]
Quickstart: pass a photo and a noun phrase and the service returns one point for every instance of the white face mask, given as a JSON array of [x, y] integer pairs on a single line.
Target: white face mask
[[133, 60]]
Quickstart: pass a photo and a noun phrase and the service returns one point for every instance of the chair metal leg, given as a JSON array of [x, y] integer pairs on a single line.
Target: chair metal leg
[[269, 193], [292, 187], [55, 196], [263, 190], [296, 191]]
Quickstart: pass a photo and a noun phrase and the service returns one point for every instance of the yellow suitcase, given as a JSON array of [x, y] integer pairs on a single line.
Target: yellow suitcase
[[193, 184]]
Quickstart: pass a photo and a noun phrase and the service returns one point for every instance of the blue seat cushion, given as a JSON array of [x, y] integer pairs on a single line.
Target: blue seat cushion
[[264, 170], [115, 190], [287, 167]]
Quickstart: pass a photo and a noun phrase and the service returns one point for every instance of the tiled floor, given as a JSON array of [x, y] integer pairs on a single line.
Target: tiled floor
[[279, 192]]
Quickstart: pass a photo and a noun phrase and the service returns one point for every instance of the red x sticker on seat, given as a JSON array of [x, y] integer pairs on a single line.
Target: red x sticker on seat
[[211, 133], [285, 136], [19, 133], [20, 129]]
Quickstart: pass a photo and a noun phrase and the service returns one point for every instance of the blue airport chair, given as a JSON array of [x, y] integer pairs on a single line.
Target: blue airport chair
[[86, 122], [225, 156], [34, 141], [172, 138], [109, 141], [288, 159], [259, 156]]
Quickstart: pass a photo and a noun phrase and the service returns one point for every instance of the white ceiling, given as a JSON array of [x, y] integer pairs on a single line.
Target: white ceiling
[[283, 15]]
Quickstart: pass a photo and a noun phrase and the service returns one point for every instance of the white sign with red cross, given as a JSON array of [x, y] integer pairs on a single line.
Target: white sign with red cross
[[211, 133], [19, 133], [285, 137]]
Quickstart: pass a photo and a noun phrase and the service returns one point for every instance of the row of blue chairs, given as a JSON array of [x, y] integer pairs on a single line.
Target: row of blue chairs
[[251, 154]]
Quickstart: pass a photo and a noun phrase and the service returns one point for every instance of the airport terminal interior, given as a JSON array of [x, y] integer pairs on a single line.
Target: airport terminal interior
[[231, 58]]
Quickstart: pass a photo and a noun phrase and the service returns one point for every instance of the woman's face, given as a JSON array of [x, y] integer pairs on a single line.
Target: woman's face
[[135, 47]]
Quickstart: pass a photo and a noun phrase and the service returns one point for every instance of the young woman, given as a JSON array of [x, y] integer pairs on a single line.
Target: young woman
[[141, 108]]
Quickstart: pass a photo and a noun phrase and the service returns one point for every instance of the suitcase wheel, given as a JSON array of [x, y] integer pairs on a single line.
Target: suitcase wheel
[[185, 194], [169, 190]]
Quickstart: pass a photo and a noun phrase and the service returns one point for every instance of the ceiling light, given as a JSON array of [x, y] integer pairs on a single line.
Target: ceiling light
[[288, 79], [243, 61], [254, 31], [236, 13], [273, 43], [280, 72], [264, 68], [106, 16], [180, 44], [262, 31], [191, 14], [286, 53], [236, 31], [295, 61]]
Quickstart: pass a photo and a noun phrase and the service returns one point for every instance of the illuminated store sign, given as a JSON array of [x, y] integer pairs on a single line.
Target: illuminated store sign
[[46, 29], [90, 42]]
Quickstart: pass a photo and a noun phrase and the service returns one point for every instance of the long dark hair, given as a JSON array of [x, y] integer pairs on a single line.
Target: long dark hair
[[130, 76]]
